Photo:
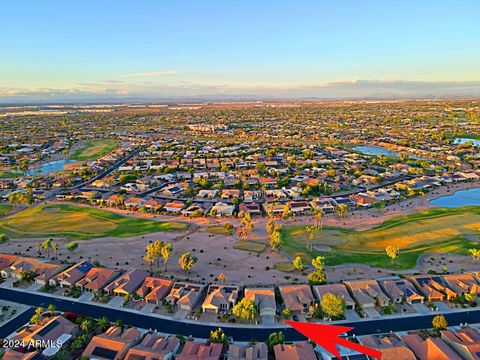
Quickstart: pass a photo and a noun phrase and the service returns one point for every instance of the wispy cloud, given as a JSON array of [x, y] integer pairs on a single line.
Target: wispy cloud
[[151, 74], [345, 89]]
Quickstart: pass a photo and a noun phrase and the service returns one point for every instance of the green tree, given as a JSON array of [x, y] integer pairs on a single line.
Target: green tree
[[318, 216], [439, 323], [333, 306], [299, 263], [3, 238], [47, 245], [51, 309], [318, 276], [245, 309], [218, 336], [187, 261], [103, 324], [270, 226], [72, 246], [275, 240], [275, 339], [475, 254], [392, 252], [167, 250], [341, 210], [86, 325]]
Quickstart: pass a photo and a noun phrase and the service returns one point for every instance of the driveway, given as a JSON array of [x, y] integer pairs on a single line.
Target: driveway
[[442, 306], [352, 315], [148, 308], [421, 308], [372, 313], [181, 314], [116, 302], [268, 320]]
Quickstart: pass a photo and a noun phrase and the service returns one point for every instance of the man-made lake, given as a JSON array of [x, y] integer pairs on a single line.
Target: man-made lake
[[460, 198], [375, 150], [460, 140], [50, 167]]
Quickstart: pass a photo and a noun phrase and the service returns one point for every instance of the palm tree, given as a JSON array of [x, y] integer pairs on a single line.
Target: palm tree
[[103, 323], [341, 210], [55, 250], [51, 309], [47, 245], [86, 325], [318, 215]]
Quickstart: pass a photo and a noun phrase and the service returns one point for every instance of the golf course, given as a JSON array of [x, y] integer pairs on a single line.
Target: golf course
[[93, 150], [79, 222], [439, 230]]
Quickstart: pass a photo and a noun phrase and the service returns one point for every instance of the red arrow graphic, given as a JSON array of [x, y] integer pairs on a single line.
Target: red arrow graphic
[[328, 337]]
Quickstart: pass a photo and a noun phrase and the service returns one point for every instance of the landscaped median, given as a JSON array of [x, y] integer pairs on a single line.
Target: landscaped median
[[438, 230], [80, 222]]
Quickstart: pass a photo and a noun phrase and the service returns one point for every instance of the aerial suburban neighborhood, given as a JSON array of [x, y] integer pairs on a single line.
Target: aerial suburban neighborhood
[[240, 180], [220, 224]]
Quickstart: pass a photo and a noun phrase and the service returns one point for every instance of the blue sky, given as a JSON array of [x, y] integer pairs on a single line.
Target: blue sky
[[81, 49]]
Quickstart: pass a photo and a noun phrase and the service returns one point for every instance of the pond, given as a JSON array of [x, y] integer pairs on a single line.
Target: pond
[[469, 197], [461, 140], [50, 167], [375, 150]]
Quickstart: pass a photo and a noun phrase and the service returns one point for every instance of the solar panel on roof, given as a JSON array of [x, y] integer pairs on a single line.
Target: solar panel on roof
[[104, 353], [408, 292], [358, 357], [85, 267], [48, 328]]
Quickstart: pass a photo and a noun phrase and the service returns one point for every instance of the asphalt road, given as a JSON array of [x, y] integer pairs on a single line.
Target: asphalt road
[[364, 327], [15, 323]]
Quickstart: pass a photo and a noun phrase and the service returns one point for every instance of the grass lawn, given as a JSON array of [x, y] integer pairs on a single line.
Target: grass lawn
[[438, 230], [247, 245], [5, 208], [285, 267], [8, 175], [218, 230], [93, 150], [79, 222]]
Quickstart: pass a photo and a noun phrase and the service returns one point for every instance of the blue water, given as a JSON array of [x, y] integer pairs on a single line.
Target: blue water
[[460, 198], [460, 140], [50, 167], [375, 150]]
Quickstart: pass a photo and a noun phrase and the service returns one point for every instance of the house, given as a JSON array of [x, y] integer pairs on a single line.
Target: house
[[229, 194], [114, 200], [72, 275], [390, 345], [327, 205], [128, 283], [185, 295], [174, 207], [6, 260], [430, 349], [367, 293], [250, 208], [299, 207], [154, 347], [152, 204], [197, 208], [432, 287], [257, 351], [153, 290], [220, 298], [399, 290], [21, 265], [54, 330], [297, 298], [298, 351], [112, 344], [465, 341], [11, 354], [194, 350], [97, 278], [173, 190], [337, 290], [208, 193], [134, 202], [223, 209], [462, 284], [45, 271], [264, 299]]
